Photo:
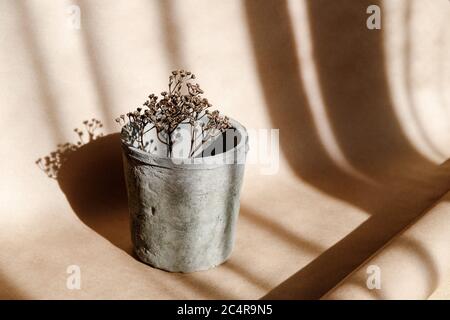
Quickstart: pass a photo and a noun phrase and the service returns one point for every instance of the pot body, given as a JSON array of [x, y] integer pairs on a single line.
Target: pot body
[[183, 212]]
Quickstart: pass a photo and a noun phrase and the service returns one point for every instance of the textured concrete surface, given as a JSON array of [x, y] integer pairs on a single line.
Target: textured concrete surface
[[183, 215]]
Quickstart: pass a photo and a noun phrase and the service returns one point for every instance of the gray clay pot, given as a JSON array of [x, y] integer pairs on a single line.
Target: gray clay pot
[[184, 211]]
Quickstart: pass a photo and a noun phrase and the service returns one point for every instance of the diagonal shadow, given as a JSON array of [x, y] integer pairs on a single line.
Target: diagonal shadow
[[171, 33], [414, 249], [91, 177], [358, 103], [39, 65], [276, 60], [93, 182], [93, 59]]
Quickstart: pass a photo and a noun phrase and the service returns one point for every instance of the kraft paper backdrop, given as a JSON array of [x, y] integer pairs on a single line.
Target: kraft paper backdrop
[[364, 131]]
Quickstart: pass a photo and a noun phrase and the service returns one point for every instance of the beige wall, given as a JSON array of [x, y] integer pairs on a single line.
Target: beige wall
[[363, 118]]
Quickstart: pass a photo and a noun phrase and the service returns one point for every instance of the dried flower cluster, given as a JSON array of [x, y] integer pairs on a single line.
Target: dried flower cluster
[[51, 163], [181, 104]]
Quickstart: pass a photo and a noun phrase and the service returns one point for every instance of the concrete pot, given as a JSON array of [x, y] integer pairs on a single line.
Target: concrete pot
[[184, 211]]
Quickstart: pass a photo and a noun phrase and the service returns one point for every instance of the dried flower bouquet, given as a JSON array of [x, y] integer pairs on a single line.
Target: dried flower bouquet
[[181, 108]]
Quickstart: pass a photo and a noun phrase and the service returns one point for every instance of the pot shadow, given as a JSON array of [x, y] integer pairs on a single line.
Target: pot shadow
[[93, 182]]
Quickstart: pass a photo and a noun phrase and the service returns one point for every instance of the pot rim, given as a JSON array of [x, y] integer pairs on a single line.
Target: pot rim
[[208, 162]]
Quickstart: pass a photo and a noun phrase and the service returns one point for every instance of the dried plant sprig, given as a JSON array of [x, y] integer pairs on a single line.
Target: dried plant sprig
[[51, 163], [181, 104]]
